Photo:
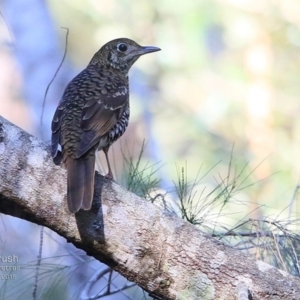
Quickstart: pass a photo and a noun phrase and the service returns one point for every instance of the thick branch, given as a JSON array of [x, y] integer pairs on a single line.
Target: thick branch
[[162, 253]]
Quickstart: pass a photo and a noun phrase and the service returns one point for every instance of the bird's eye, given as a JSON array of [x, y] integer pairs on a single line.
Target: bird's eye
[[122, 47]]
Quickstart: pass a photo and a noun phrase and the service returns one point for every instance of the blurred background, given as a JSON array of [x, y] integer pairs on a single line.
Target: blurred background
[[223, 94]]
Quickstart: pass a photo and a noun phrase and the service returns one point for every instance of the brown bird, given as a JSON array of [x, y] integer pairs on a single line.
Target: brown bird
[[92, 114]]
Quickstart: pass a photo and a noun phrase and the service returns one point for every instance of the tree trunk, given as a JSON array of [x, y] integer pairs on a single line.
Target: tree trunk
[[165, 255]]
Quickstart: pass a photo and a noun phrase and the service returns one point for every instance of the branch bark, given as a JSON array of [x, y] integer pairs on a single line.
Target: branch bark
[[165, 255]]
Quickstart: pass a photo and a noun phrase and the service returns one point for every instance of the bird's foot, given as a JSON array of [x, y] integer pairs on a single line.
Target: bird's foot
[[109, 175]]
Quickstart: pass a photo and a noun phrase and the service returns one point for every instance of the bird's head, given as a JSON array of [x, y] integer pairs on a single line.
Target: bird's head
[[121, 54]]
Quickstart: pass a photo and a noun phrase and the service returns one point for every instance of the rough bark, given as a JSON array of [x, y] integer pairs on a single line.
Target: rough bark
[[165, 255]]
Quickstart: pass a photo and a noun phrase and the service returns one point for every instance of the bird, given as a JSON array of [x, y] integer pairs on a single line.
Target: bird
[[91, 115]]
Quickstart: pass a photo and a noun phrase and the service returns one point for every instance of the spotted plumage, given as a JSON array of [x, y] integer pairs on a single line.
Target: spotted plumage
[[92, 114]]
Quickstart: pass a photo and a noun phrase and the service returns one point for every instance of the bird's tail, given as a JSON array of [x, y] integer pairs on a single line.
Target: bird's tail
[[81, 175]]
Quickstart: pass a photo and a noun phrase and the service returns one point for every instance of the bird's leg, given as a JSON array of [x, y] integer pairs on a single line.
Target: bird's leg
[[109, 175]]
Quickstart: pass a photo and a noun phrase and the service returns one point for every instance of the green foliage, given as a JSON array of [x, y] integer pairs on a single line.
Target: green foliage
[[139, 176], [276, 242]]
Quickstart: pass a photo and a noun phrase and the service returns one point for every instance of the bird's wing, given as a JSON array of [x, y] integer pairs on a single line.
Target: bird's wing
[[56, 128], [101, 112], [70, 96]]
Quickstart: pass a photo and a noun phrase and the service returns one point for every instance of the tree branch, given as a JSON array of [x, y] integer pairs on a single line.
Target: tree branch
[[165, 255]]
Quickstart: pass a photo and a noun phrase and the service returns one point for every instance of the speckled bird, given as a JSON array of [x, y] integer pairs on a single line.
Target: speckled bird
[[92, 114]]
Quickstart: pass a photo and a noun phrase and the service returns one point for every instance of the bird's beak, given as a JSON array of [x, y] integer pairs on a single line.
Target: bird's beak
[[149, 49], [145, 50]]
